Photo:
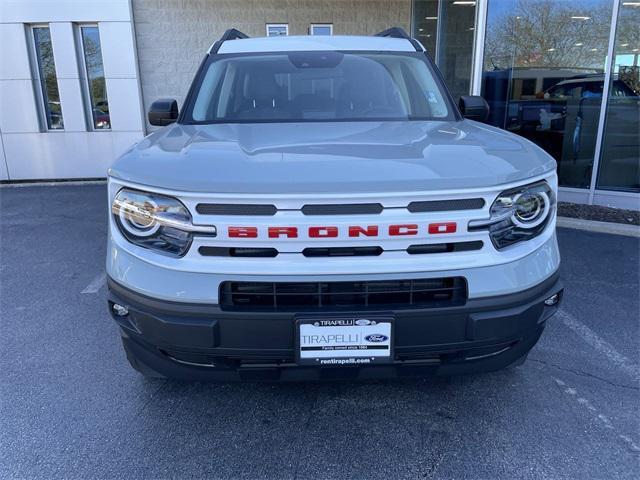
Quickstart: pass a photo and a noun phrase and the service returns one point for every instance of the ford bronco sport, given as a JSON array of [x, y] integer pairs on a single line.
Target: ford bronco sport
[[319, 209]]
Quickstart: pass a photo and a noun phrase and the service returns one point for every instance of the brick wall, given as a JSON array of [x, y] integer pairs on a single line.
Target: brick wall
[[173, 35]]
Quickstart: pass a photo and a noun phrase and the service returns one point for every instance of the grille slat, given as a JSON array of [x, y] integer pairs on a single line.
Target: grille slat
[[342, 251], [237, 252], [236, 209], [445, 247], [343, 209], [305, 296], [446, 205]]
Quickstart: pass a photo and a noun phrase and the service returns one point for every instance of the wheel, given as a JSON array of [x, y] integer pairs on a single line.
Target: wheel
[[142, 368]]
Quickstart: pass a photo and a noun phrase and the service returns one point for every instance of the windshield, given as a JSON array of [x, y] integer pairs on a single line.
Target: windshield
[[317, 86]]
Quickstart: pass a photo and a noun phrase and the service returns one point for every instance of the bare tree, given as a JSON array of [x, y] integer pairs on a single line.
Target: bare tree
[[547, 34]]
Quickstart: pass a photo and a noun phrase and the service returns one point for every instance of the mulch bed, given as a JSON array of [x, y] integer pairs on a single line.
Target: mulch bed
[[601, 214]]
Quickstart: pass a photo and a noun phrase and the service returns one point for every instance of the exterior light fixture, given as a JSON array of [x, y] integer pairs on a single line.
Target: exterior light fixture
[[580, 17], [552, 300], [120, 310]]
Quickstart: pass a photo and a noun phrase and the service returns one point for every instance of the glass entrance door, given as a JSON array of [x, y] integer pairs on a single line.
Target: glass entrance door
[[544, 74], [620, 156]]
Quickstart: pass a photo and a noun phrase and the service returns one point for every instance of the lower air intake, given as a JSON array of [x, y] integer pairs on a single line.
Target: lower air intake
[[311, 296]]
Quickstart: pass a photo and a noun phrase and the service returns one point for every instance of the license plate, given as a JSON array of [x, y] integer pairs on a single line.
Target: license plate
[[349, 341]]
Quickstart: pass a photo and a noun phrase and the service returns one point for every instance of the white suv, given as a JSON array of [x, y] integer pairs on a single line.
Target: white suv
[[320, 208]]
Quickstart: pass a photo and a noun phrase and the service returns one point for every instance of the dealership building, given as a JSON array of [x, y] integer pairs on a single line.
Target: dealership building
[[77, 76]]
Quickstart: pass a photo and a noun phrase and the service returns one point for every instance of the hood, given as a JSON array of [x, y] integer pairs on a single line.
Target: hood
[[331, 157]]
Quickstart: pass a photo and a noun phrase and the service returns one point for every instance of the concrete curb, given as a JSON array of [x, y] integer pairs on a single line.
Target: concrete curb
[[601, 227]]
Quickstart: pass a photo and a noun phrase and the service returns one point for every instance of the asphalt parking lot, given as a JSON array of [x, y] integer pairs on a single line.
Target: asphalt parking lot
[[71, 407]]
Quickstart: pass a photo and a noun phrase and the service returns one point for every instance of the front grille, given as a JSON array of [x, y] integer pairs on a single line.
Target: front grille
[[246, 209], [314, 252], [309, 296]]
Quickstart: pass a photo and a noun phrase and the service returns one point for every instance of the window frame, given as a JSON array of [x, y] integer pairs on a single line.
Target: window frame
[[84, 76], [37, 81], [313, 25], [285, 25]]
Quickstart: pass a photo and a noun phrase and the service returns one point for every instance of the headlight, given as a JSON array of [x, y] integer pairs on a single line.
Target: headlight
[[518, 214], [156, 222]]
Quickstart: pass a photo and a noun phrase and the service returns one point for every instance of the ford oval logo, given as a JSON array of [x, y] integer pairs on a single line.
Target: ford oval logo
[[376, 338], [363, 321]]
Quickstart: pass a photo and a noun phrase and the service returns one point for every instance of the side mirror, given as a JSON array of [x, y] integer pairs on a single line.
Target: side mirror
[[474, 107], [163, 112]]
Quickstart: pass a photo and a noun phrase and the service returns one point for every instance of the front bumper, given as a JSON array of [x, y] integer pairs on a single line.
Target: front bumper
[[202, 342]]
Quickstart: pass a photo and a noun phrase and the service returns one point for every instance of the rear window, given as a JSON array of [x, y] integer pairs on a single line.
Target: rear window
[[318, 86]]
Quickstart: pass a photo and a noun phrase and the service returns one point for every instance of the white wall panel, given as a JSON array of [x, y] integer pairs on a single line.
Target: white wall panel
[[628, 200], [68, 73], [124, 104], [72, 102], [64, 50], [4, 175], [76, 151], [118, 50], [14, 59], [18, 112], [64, 155], [42, 11]]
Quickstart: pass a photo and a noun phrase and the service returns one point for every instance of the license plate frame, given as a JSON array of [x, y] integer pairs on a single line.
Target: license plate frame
[[353, 348]]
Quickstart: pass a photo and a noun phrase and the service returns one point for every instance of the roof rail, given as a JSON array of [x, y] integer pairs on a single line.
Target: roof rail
[[399, 32], [231, 34], [393, 32]]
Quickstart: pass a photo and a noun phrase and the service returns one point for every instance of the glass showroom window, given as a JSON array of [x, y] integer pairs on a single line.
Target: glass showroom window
[[544, 76], [620, 158], [277, 29], [425, 24], [321, 29], [47, 78], [94, 70], [446, 28]]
